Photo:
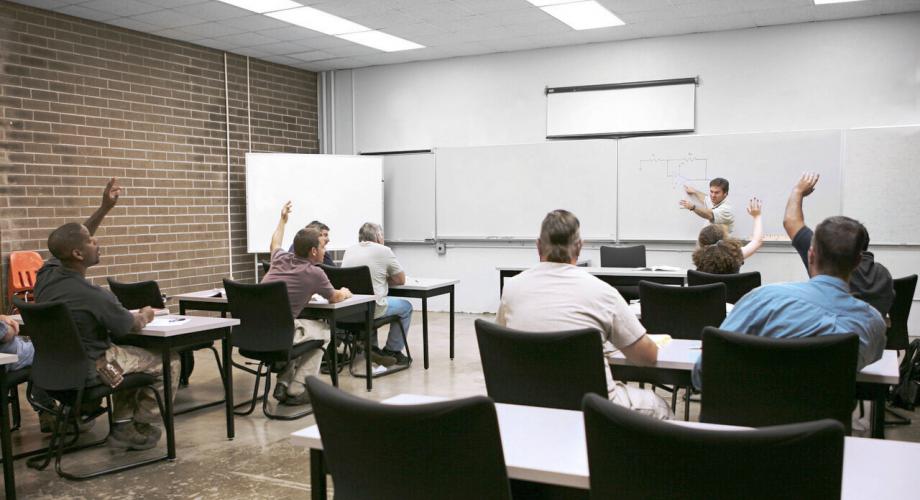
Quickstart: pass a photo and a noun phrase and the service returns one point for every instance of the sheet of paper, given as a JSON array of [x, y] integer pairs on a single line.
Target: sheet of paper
[[167, 321]]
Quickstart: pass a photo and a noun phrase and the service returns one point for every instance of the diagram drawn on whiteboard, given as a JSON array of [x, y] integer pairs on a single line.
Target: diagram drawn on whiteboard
[[688, 170]]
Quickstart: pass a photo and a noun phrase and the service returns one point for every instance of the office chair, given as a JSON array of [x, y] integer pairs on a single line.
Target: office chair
[[624, 256], [736, 285], [631, 456]]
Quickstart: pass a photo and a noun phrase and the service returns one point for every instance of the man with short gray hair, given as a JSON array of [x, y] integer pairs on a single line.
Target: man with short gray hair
[[556, 295], [385, 271]]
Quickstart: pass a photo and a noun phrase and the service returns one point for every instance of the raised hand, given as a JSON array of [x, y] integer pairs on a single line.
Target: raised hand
[[754, 207], [690, 189], [686, 204], [285, 211], [806, 184], [110, 194]]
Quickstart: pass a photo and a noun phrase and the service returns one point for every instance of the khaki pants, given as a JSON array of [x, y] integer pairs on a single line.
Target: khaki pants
[[295, 374], [139, 404], [642, 401]]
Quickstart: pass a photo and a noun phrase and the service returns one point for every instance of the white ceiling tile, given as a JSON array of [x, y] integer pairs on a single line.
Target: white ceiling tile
[[121, 8], [255, 22], [214, 11], [169, 4], [133, 24], [285, 48], [313, 55], [169, 19], [289, 32], [48, 4], [281, 59], [245, 39], [87, 13], [251, 52], [213, 30]]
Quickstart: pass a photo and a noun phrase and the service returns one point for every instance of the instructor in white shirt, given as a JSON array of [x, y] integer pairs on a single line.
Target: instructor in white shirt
[[721, 211]]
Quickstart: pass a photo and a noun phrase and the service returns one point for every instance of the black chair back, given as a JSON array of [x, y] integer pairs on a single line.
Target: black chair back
[[445, 450], [631, 456], [737, 285], [759, 381], [904, 289], [628, 256], [681, 312], [60, 363], [137, 295], [265, 318], [551, 369], [357, 279]]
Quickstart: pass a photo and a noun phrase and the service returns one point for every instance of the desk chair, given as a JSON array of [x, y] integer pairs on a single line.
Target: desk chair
[[548, 369], [631, 456], [358, 280], [624, 256], [23, 268], [897, 334], [147, 293], [758, 381], [60, 368], [736, 285], [265, 334], [446, 450], [682, 313]]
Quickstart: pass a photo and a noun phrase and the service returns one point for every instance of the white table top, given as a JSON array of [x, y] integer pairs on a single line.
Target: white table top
[[636, 272], [190, 325], [681, 354], [424, 283], [210, 295], [7, 359], [180, 325], [548, 445]]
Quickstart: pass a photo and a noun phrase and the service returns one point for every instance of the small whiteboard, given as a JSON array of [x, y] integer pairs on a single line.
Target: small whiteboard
[[341, 191], [621, 111]]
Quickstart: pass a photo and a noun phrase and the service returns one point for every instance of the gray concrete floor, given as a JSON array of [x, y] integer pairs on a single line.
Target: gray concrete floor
[[260, 462]]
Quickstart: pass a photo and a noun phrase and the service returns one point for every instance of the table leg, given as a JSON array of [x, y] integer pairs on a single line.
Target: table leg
[[226, 344], [334, 354], [877, 418], [451, 322], [6, 446], [181, 308], [168, 405], [367, 345], [317, 475], [425, 329]]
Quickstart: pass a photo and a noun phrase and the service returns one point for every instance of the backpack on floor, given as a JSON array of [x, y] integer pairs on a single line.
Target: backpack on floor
[[907, 393]]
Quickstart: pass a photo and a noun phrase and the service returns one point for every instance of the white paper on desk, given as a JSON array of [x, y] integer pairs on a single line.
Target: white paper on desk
[[318, 299], [167, 321], [156, 312]]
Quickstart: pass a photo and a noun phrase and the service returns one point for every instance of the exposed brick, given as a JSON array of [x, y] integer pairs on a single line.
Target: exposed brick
[[89, 101]]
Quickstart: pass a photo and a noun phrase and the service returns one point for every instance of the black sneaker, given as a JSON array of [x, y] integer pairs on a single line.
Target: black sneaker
[[382, 357], [401, 359]]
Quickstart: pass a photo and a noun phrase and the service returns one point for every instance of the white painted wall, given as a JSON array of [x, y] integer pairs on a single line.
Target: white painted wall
[[828, 75]]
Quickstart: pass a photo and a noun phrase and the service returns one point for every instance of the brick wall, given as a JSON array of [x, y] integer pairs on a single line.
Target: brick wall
[[83, 101]]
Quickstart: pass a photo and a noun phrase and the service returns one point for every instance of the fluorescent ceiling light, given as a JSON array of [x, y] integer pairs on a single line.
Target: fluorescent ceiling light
[[541, 3], [318, 20], [583, 15], [381, 41], [263, 6], [823, 2]]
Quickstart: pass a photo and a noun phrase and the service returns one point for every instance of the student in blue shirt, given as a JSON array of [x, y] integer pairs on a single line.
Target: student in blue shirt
[[820, 306]]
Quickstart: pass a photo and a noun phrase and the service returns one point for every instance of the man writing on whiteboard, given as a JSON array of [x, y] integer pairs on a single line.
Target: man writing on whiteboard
[[721, 211]]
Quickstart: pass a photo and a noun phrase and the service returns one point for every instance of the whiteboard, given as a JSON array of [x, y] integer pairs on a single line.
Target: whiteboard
[[766, 165], [505, 191], [668, 108], [409, 181], [881, 182], [341, 191]]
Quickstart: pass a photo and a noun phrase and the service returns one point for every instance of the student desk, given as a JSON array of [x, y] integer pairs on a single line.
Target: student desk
[[614, 276], [216, 300], [193, 330], [6, 446], [424, 288], [676, 360], [546, 445]]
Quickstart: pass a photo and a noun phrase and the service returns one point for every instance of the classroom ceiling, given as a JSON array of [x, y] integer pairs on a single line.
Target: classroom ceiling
[[447, 28]]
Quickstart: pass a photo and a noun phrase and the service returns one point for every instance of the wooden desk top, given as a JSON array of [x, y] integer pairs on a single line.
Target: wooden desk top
[[548, 446]]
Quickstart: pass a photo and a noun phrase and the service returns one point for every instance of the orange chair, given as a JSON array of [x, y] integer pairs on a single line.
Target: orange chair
[[23, 266]]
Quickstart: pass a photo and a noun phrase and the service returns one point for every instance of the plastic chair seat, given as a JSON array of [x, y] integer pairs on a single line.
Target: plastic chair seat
[[99, 391], [16, 377], [282, 356]]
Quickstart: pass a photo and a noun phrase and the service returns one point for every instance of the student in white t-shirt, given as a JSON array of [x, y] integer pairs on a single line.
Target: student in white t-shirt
[[721, 211], [556, 295], [385, 271]]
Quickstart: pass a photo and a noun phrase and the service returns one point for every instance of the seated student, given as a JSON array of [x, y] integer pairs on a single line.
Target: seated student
[[385, 271], [820, 306], [299, 273], [870, 281], [100, 319], [324, 229], [718, 253], [556, 295]]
